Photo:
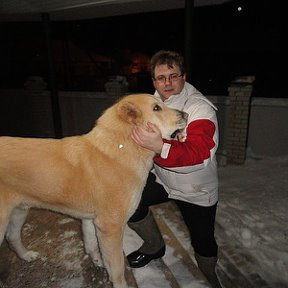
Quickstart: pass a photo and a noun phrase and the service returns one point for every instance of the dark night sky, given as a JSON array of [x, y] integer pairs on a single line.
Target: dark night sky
[[226, 42]]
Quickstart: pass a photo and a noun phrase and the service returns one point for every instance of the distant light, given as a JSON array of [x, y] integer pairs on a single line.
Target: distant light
[[239, 9]]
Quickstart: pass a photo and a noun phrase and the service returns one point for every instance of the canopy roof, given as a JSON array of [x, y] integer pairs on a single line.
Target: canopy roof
[[62, 10]]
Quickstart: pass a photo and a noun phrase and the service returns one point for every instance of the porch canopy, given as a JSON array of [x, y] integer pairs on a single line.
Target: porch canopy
[[61, 10]]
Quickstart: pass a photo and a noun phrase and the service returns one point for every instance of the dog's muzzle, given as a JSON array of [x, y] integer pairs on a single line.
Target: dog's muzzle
[[183, 118]]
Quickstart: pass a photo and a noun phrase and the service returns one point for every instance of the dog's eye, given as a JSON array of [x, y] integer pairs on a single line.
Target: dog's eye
[[157, 108]]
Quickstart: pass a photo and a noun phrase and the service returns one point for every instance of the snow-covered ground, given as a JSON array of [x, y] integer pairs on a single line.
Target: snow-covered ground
[[251, 221], [252, 211]]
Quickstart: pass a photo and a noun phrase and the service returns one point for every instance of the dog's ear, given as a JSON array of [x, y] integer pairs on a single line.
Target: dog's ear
[[129, 112]]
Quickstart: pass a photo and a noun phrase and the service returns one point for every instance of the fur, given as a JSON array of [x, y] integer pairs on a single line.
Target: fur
[[97, 177]]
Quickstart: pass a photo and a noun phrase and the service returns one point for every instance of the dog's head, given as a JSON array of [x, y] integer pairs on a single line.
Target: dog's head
[[138, 109]]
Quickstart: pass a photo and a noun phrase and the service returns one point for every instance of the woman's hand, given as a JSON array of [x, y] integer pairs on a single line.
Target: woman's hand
[[149, 137]]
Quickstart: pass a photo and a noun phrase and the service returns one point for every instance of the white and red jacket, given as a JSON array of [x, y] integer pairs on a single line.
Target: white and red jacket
[[188, 170]]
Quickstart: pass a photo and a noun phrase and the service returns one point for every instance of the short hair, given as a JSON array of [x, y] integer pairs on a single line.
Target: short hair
[[169, 58]]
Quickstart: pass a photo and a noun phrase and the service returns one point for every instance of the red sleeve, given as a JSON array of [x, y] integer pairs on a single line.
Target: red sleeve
[[194, 150]]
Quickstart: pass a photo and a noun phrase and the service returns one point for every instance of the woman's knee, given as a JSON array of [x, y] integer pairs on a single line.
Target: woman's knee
[[140, 213]]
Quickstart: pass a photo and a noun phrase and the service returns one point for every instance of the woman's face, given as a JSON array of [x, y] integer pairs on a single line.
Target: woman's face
[[168, 81]]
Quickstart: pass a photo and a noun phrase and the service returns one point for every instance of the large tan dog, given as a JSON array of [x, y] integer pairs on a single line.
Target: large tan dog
[[97, 177]]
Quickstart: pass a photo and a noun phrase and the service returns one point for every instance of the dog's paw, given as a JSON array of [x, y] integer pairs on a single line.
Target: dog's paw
[[30, 256], [98, 262], [96, 259], [95, 256]]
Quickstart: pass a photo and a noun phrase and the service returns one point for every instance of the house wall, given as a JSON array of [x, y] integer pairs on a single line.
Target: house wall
[[268, 131], [28, 113]]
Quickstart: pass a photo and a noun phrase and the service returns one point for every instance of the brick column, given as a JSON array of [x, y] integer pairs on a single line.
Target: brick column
[[240, 92]]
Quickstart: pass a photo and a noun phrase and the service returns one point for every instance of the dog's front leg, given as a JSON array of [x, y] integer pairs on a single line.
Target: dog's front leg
[[110, 236], [90, 241]]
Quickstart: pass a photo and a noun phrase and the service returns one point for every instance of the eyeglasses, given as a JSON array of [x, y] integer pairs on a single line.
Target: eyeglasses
[[172, 77]]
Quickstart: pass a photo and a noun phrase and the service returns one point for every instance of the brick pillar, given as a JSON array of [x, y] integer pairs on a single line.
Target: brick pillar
[[240, 92]]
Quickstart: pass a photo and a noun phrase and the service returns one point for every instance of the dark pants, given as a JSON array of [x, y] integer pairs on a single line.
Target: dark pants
[[199, 220]]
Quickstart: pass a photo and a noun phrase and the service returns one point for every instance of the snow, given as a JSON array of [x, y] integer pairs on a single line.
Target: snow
[[252, 212], [252, 215], [251, 221]]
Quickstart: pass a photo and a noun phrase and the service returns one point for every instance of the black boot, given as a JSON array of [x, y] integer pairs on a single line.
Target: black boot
[[207, 267], [153, 246]]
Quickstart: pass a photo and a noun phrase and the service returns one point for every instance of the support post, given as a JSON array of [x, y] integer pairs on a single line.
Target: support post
[[52, 78], [189, 25], [240, 92]]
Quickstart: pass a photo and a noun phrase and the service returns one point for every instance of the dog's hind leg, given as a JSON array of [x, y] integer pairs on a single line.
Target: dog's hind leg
[[6, 206], [110, 236], [90, 241], [13, 234], [4, 219]]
